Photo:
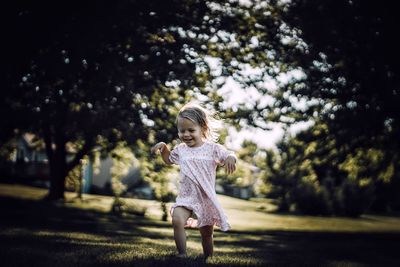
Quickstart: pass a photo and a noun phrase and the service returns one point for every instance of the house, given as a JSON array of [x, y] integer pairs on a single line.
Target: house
[[29, 149], [100, 180], [246, 189], [30, 164]]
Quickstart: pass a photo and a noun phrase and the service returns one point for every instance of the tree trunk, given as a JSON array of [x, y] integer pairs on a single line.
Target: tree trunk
[[55, 141], [58, 174], [80, 186], [56, 153], [57, 186], [164, 210]]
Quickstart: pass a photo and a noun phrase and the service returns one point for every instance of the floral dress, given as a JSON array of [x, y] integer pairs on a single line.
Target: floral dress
[[197, 183]]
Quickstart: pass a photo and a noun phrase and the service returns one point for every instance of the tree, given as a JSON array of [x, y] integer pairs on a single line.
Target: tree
[[334, 63], [351, 72], [94, 73], [159, 175], [314, 175]]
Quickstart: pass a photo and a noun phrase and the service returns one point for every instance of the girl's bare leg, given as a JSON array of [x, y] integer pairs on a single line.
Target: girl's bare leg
[[207, 240], [179, 218]]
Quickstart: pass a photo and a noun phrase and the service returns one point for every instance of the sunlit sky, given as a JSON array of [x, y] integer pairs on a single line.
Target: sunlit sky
[[234, 94]]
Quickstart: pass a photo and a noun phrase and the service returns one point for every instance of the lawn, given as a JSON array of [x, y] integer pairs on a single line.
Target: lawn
[[84, 233]]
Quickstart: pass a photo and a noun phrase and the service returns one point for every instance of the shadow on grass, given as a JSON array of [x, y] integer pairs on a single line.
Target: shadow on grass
[[42, 214], [36, 233], [302, 248]]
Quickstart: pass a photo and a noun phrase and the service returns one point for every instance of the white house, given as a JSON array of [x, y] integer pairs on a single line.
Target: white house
[[30, 163]]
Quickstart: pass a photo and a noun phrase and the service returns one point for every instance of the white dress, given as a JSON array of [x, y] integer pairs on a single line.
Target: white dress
[[197, 183]]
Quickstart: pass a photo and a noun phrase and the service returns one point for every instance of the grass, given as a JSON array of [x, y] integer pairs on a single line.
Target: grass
[[84, 233]]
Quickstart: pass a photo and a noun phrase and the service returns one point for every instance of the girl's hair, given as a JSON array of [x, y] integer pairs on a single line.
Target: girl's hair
[[204, 118]]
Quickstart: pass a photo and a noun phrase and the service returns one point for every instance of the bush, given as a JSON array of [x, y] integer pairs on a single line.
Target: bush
[[353, 200], [121, 208], [313, 199]]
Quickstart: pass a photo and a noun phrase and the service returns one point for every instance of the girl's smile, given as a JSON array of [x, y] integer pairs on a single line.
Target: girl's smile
[[189, 132]]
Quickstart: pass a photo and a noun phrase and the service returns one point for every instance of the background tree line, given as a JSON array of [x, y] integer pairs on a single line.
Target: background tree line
[[94, 73], [348, 162]]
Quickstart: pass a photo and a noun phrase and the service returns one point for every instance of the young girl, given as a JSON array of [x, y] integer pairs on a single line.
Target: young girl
[[198, 157]]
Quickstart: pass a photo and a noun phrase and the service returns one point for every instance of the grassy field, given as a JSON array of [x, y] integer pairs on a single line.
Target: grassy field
[[84, 233]]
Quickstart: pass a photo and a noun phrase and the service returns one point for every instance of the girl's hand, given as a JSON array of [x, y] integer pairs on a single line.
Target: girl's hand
[[159, 146], [164, 150], [230, 164]]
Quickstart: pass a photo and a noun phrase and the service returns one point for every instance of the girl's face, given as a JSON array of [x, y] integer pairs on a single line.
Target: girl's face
[[189, 132]]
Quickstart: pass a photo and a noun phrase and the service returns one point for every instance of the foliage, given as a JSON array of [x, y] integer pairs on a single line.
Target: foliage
[[281, 173], [312, 175], [122, 161], [335, 64], [96, 73], [74, 179], [351, 67], [332, 61], [248, 169], [158, 175]]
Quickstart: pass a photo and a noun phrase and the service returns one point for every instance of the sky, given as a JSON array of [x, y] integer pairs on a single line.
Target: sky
[[264, 139], [233, 94]]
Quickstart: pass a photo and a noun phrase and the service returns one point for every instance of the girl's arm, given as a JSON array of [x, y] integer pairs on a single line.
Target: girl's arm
[[164, 150], [225, 158]]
